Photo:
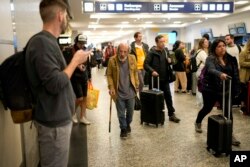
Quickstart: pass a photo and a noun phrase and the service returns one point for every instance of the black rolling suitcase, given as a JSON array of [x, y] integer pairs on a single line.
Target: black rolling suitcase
[[219, 130], [152, 102]]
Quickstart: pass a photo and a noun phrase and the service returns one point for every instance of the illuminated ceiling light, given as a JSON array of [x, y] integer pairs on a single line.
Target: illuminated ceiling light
[[134, 20], [198, 21], [164, 20], [12, 6], [177, 22], [148, 22], [94, 23], [125, 22], [240, 2]]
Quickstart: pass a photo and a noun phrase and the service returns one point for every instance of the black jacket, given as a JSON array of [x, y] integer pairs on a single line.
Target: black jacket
[[213, 83], [179, 66], [133, 51], [156, 61], [82, 76]]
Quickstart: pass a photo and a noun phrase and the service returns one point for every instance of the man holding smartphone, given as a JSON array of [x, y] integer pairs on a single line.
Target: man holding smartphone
[[80, 79]]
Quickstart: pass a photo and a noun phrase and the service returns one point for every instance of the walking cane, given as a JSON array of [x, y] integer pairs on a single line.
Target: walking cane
[[110, 111]]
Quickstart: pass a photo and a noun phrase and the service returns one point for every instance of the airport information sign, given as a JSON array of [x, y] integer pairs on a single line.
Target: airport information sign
[[159, 7]]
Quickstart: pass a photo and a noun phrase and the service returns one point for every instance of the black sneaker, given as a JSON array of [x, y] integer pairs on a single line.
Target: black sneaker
[[173, 118], [123, 133], [128, 129], [235, 142], [198, 127]]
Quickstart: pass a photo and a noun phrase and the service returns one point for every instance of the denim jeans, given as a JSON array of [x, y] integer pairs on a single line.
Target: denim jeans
[[125, 111], [141, 74]]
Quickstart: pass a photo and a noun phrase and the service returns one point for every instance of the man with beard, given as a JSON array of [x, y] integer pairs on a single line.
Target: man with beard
[[123, 84], [50, 83], [140, 50]]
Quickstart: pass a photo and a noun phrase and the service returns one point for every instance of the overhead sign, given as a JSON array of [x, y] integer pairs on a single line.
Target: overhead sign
[[163, 7]]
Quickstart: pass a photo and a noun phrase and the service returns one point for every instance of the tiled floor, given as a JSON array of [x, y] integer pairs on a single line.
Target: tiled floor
[[170, 145]]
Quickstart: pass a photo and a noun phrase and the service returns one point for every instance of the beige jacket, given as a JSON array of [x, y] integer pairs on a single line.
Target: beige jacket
[[244, 66], [113, 72]]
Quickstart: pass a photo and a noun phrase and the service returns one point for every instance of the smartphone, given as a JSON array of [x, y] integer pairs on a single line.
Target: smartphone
[[90, 47]]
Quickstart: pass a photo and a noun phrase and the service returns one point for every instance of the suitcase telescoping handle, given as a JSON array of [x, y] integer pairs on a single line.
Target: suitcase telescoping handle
[[224, 96], [158, 83]]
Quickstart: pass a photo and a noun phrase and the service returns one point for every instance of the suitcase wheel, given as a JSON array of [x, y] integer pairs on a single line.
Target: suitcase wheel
[[217, 154], [156, 125]]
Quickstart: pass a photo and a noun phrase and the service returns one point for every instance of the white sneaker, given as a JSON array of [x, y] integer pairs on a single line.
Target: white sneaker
[[74, 118], [84, 121]]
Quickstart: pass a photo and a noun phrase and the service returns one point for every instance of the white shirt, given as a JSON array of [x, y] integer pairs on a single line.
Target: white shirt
[[201, 57], [234, 51]]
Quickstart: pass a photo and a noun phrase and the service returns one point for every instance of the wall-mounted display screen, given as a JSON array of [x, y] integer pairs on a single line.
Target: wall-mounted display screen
[[207, 31], [232, 31], [241, 30], [170, 37], [62, 40], [237, 28]]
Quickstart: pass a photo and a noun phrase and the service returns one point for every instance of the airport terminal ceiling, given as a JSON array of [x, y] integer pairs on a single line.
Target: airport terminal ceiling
[[109, 25]]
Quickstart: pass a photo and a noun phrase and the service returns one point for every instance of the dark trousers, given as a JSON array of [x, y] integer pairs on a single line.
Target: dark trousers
[[209, 100], [164, 86], [189, 81]]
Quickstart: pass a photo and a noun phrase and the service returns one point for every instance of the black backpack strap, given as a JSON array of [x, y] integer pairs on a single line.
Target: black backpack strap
[[239, 48], [196, 56]]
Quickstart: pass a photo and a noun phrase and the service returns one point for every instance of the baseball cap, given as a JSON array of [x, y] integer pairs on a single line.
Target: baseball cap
[[82, 38]]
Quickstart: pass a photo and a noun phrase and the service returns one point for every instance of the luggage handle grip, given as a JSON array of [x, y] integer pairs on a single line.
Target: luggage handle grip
[[229, 96], [158, 83]]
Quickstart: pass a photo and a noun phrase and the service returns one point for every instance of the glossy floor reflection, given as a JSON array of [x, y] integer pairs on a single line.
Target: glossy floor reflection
[[78, 153], [170, 145]]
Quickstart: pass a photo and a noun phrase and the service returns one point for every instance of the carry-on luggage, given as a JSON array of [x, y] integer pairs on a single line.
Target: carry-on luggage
[[219, 130], [152, 102], [248, 99]]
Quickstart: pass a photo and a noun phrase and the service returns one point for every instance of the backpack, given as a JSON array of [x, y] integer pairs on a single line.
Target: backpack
[[239, 48], [16, 92], [173, 58], [201, 80], [193, 63]]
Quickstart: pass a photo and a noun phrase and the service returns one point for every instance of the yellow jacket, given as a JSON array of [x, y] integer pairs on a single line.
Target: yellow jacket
[[244, 66], [113, 72]]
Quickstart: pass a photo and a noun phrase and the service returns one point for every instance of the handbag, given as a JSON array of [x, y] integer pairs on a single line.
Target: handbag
[[137, 103], [171, 74], [92, 97]]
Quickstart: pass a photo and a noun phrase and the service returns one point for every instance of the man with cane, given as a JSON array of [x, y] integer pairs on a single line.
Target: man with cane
[[123, 84]]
